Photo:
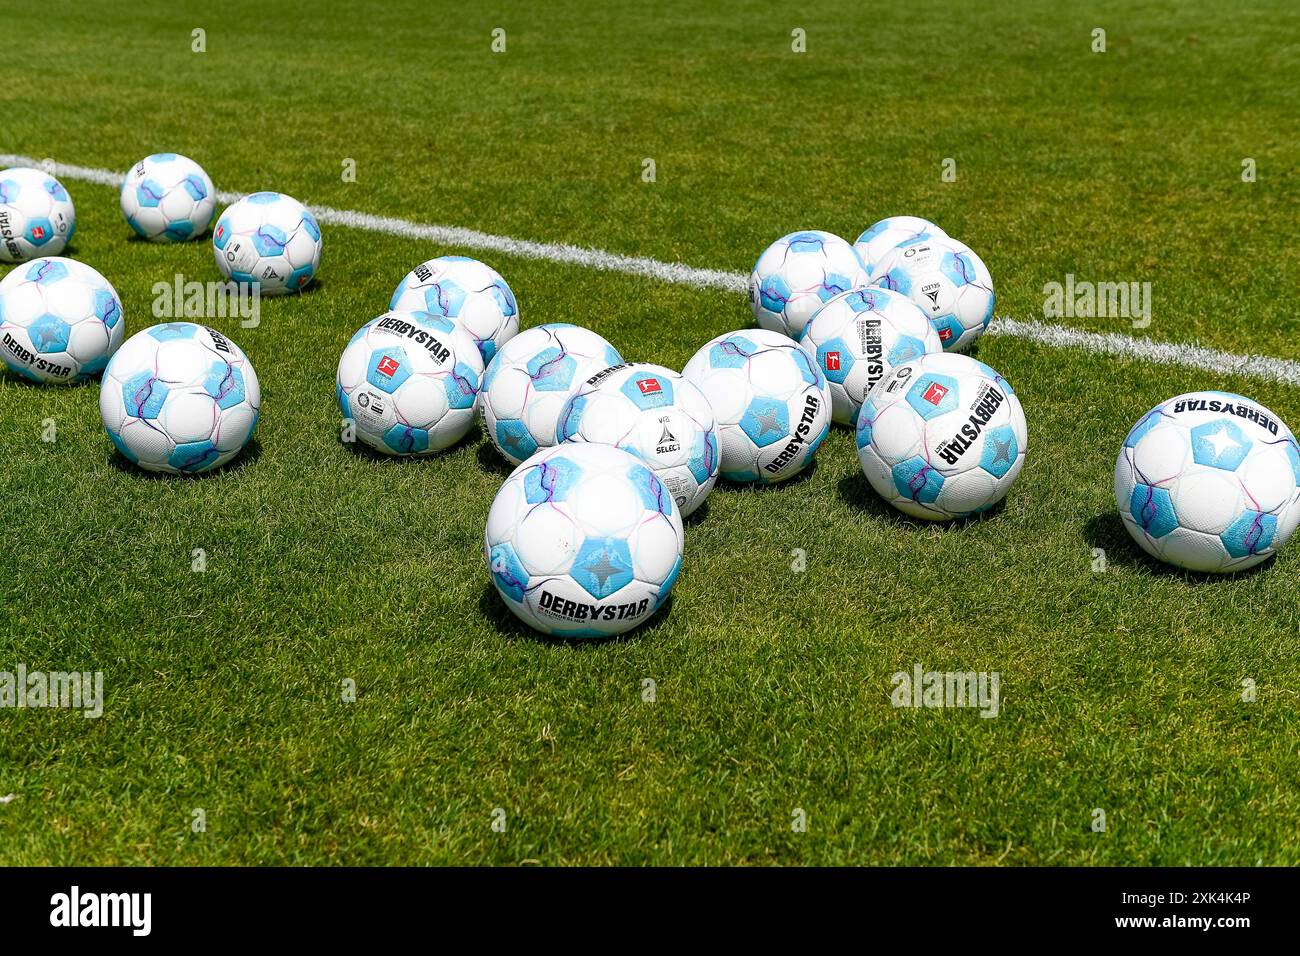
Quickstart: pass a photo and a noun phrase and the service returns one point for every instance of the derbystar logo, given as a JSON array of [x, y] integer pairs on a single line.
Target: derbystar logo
[[388, 366], [14, 348], [1227, 407], [832, 361], [871, 348], [33, 360], [555, 606], [935, 394], [649, 386], [812, 405], [419, 336], [605, 373], [7, 234], [988, 402], [219, 341]]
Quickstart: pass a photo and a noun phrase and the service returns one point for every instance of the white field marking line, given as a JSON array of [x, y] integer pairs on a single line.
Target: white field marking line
[[1261, 367], [1198, 357], [457, 236]]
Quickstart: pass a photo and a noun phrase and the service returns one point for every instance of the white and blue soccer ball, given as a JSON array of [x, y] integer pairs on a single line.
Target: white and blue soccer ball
[[942, 437], [655, 414], [946, 279], [410, 383], [583, 541], [36, 215], [466, 291], [167, 197], [60, 321], [270, 241], [1209, 481], [797, 274], [180, 398], [858, 337], [877, 240], [770, 401], [530, 379]]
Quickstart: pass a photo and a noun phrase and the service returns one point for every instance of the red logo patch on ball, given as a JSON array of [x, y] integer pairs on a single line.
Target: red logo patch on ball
[[935, 393]]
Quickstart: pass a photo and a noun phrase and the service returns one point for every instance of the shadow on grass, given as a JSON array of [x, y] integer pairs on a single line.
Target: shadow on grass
[[769, 487], [491, 460], [248, 456], [1107, 531], [492, 606], [364, 451], [856, 492], [134, 237], [9, 375], [699, 514]]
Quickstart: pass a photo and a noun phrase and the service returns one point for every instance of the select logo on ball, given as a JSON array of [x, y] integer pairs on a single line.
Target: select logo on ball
[[668, 443]]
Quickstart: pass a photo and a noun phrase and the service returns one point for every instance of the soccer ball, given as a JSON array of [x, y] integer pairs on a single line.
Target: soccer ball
[[1208, 481], [60, 321], [583, 541], [467, 291], [770, 401], [942, 437], [168, 198], [799, 272], [36, 215], [410, 382], [531, 378], [947, 280], [657, 415], [858, 337], [180, 398], [268, 240], [879, 239]]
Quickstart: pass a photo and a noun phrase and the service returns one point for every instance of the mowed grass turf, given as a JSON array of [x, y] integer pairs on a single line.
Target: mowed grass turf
[[1121, 688]]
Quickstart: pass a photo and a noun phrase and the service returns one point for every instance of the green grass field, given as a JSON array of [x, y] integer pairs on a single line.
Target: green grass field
[[1121, 689]]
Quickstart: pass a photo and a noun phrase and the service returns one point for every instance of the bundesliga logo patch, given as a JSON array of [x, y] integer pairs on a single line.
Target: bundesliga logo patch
[[38, 232], [388, 366], [649, 386], [832, 361], [935, 393]]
